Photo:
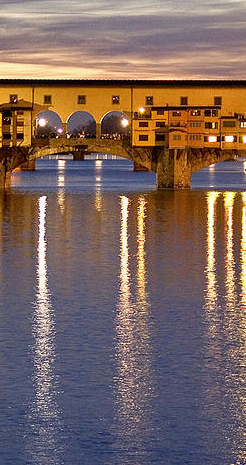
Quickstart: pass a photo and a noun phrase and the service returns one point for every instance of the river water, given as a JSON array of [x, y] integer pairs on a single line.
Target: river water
[[122, 317]]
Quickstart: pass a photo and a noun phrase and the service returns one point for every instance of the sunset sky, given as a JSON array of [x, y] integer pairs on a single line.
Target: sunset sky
[[135, 39]]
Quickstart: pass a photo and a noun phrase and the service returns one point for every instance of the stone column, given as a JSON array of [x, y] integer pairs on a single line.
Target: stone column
[[98, 130], [64, 128], [173, 169]]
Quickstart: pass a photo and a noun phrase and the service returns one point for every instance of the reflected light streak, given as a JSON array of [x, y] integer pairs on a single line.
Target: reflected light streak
[[134, 378], [211, 292], [243, 250], [98, 200], [141, 252], [45, 415], [230, 264], [61, 175]]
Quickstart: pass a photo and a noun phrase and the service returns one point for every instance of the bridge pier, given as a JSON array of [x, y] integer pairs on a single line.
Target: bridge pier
[[173, 170]]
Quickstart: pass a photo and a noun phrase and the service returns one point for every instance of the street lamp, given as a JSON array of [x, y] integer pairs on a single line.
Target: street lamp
[[124, 122], [42, 122]]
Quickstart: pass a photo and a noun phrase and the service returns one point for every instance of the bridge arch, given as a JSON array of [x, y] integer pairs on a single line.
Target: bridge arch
[[47, 124], [115, 123], [81, 123]]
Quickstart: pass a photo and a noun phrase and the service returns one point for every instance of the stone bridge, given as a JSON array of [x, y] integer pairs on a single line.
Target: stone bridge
[[173, 167]]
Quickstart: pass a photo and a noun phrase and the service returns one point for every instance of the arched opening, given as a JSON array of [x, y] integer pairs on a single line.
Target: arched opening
[[81, 124], [115, 125], [48, 124]]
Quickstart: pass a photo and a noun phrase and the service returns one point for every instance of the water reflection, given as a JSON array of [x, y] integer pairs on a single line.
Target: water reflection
[[98, 183], [44, 414], [225, 322], [229, 259], [134, 381], [61, 164]]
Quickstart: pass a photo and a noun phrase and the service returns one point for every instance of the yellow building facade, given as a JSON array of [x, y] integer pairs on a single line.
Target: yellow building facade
[[180, 126]]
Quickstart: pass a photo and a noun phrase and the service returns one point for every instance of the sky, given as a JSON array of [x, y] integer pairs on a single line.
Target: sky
[[123, 39]]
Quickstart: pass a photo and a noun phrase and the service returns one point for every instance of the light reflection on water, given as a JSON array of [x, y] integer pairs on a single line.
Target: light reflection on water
[[44, 416], [143, 360], [134, 379]]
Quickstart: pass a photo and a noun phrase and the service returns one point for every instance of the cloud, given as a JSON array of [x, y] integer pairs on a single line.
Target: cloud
[[137, 38]]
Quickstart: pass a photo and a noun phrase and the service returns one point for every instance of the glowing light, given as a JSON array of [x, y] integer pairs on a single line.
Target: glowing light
[[124, 122], [244, 139], [212, 139], [42, 122], [230, 262], [141, 110], [229, 138], [60, 130]]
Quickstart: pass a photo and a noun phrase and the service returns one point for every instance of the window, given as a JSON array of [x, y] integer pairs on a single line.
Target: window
[[183, 100], [20, 113], [19, 136], [218, 101], [7, 136], [20, 123], [115, 99], [195, 137], [160, 137], [243, 124], [143, 124], [176, 113], [160, 124], [13, 98], [214, 113], [177, 137], [149, 100], [143, 137], [47, 99], [6, 121], [195, 125], [81, 99], [207, 112], [160, 112], [229, 124], [211, 125], [195, 112]]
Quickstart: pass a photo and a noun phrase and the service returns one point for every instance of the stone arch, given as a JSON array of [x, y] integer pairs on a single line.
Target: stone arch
[[112, 124], [81, 123], [47, 124]]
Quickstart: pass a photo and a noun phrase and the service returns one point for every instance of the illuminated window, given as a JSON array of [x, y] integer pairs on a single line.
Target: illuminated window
[[176, 113], [211, 125], [212, 139], [195, 112], [13, 98], [244, 139], [183, 100], [143, 137], [229, 138], [149, 100], [214, 113], [176, 137], [243, 124], [47, 99], [81, 99], [143, 124], [218, 101], [115, 99]]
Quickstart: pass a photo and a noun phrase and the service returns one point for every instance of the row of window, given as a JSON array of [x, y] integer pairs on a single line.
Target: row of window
[[161, 124], [195, 137], [149, 101]]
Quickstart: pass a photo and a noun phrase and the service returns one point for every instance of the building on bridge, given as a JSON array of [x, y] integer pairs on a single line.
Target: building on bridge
[[188, 126]]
